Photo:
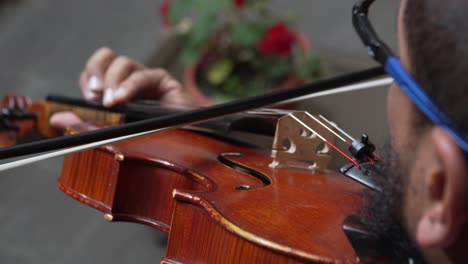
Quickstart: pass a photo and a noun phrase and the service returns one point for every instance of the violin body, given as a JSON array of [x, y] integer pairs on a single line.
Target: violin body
[[219, 202]]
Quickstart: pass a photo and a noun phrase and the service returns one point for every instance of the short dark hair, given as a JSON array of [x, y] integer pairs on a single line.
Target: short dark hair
[[437, 39]]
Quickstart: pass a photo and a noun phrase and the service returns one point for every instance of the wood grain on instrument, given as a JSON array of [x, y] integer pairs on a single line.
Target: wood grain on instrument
[[174, 181]]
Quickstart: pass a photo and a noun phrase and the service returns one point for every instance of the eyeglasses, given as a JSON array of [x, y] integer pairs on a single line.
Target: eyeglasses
[[382, 54]]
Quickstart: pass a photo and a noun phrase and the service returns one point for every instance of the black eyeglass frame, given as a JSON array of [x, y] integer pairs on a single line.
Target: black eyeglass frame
[[377, 48]]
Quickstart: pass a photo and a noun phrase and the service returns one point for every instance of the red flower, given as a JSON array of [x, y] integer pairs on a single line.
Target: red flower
[[240, 3], [278, 40], [164, 9]]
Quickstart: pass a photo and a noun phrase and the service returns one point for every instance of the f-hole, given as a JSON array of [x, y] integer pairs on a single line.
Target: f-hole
[[236, 166]]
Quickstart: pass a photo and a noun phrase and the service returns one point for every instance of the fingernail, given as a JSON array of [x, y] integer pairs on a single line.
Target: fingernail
[[171, 84], [94, 83], [120, 93], [108, 97], [90, 95]]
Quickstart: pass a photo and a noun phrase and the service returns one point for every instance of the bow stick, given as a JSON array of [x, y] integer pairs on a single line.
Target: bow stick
[[92, 139]]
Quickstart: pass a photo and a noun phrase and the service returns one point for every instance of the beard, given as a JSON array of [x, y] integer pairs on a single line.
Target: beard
[[383, 211]]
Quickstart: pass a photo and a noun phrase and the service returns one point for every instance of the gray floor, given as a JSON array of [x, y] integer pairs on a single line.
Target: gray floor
[[43, 46]]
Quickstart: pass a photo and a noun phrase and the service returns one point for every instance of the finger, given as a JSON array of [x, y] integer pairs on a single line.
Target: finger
[[92, 95], [177, 96], [19, 104], [28, 101], [16, 101], [148, 84], [173, 92], [117, 72], [22, 102], [8, 102], [63, 120], [95, 69]]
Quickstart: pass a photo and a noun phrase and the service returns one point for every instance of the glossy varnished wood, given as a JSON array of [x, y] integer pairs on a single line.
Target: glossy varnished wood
[[174, 181]]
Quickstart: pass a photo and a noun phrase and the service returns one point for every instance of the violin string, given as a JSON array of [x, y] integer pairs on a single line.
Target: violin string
[[382, 161], [326, 141], [375, 155], [326, 127], [384, 81], [371, 161], [337, 128]]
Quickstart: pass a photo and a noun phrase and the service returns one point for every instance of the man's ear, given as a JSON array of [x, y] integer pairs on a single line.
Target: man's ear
[[447, 183]]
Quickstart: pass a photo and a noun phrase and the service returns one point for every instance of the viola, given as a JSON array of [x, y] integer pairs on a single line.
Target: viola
[[219, 201]]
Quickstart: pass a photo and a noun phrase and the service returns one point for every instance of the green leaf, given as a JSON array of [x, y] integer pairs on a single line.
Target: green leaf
[[196, 10], [311, 68], [246, 34], [203, 29], [179, 10], [211, 6], [219, 72], [190, 55], [278, 67], [260, 6], [233, 86]]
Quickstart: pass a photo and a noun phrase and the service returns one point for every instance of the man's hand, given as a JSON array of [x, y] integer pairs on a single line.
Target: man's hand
[[114, 80], [118, 79]]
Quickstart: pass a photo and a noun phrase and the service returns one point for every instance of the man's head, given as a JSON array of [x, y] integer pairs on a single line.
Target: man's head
[[434, 171]]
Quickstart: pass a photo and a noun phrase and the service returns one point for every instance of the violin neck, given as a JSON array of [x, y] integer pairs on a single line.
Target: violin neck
[[43, 110], [260, 121]]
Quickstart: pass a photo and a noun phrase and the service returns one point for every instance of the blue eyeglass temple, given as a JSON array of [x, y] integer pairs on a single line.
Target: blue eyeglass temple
[[417, 95], [381, 53]]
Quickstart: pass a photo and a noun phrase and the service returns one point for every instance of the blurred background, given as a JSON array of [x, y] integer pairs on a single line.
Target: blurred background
[[43, 48]]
